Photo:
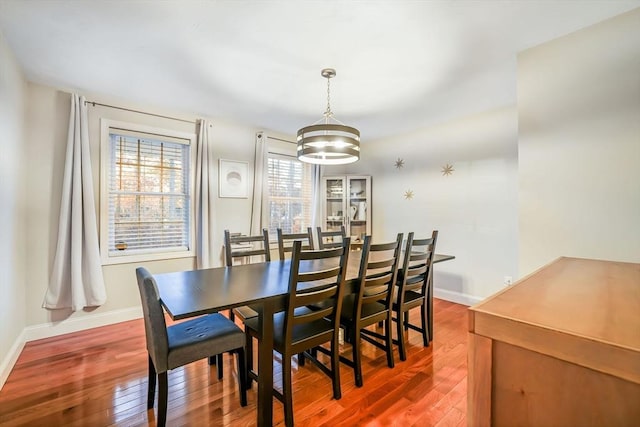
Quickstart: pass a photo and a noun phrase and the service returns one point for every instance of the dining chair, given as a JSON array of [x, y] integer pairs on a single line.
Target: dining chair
[[330, 238], [414, 280], [245, 248], [371, 303], [285, 241], [183, 343], [314, 276]]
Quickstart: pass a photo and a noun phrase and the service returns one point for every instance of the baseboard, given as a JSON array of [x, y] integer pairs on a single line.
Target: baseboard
[[457, 297], [75, 324], [11, 358]]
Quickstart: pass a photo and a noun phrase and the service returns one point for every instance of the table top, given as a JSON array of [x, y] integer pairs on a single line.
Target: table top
[[195, 292], [593, 299]]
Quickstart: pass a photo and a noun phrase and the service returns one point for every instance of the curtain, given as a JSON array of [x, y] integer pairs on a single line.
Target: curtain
[[316, 201], [259, 178], [205, 196], [76, 279]]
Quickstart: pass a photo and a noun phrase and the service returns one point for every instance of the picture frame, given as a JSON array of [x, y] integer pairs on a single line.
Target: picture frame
[[233, 178]]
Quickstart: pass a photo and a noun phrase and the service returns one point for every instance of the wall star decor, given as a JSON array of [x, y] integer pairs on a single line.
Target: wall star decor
[[408, 194], [399, 163], [447, 170]]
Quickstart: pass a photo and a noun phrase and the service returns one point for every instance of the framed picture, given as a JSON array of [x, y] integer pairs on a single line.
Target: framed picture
[[233, 178]]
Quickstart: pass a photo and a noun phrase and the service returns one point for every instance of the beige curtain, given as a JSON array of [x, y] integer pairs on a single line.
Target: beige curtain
[[205, 196], [76, 279], [258, 210], [316, 202]]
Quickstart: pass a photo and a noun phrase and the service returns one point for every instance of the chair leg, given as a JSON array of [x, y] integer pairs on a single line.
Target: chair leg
[[425, 322], [287, 390], [162, 399], [219, 365], [151, 392], [335, 367], [249, 358], [242, 376], [300, 359], [400, 330], [357, 358], [389, 340], [406, 320]]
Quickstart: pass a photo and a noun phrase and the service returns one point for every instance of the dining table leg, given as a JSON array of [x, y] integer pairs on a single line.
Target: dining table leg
[[265, 364]]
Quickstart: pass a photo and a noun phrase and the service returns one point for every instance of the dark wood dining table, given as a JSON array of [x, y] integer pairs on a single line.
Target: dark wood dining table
[[264, 287]]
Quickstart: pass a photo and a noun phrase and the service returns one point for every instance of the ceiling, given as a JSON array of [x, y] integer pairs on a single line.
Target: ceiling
[[400, 64]]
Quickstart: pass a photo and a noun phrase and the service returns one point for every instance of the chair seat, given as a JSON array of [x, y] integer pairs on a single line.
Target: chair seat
[[300, 333], [367, 310], [200, 338]]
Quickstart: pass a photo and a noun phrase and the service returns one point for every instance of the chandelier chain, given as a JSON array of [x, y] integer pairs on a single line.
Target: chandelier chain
[[328, 113]]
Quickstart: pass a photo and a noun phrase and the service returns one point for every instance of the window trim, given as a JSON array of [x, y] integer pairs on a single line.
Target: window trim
[[153, 255]]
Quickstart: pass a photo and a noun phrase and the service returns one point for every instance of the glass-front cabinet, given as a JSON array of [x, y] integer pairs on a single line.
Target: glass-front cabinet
[[347, 201]]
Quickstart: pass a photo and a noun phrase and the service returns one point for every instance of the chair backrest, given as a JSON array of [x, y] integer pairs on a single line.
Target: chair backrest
[[285, 241], [378, 274], [417, 265], [316, 278], [238, 246], [155, 327], [331, 238]]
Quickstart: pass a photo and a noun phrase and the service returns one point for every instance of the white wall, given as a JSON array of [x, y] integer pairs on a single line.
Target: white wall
[[474, 209], [12, 201], [48, 115], [579, 117]]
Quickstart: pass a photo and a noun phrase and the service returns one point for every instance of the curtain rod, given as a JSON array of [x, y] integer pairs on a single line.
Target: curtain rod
[[279, 139], [137, 111]]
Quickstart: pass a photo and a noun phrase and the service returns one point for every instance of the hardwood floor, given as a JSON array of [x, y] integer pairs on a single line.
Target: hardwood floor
[[98, 377]]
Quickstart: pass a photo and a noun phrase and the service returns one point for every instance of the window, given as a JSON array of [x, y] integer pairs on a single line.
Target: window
[[290, 194], [146, 193]]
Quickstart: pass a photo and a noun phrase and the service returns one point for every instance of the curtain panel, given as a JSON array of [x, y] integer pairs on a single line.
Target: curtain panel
[[76, 279], [205, 196]]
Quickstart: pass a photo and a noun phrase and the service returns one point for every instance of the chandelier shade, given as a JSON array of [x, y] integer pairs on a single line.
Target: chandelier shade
[[328, 143]]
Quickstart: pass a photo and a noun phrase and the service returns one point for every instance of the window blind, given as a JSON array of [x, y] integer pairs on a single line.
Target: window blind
[[290, 192], [149, 203]]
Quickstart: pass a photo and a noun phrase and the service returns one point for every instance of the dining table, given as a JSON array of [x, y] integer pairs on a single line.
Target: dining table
[[262, 286]]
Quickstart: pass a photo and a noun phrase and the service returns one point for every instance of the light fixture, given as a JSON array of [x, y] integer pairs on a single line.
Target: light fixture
[[328, 143]]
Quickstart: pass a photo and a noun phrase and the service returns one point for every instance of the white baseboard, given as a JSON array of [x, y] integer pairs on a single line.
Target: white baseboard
[[11, 358], [80, 323], [456, 297]]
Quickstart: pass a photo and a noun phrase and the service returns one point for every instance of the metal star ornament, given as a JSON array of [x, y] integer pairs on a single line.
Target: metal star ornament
[[408, 194], [447, 170], [399, 163]]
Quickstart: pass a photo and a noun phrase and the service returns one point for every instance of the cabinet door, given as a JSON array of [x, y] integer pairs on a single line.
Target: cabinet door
[[359, 207], [334, 206]]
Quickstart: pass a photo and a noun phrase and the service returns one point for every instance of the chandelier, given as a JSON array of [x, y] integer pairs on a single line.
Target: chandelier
[[331, 142]]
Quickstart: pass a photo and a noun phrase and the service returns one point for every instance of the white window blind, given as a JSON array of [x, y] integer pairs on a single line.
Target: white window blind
[[289, 186], [148, 194]]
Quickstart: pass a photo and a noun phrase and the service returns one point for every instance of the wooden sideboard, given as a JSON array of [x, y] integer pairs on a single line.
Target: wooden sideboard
[[561, 347]]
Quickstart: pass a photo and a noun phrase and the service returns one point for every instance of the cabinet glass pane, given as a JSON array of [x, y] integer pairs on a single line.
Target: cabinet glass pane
[[357, 208], [346, 202]]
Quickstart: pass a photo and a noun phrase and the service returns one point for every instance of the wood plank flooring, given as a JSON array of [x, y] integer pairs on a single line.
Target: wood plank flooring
[[98, 377]]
